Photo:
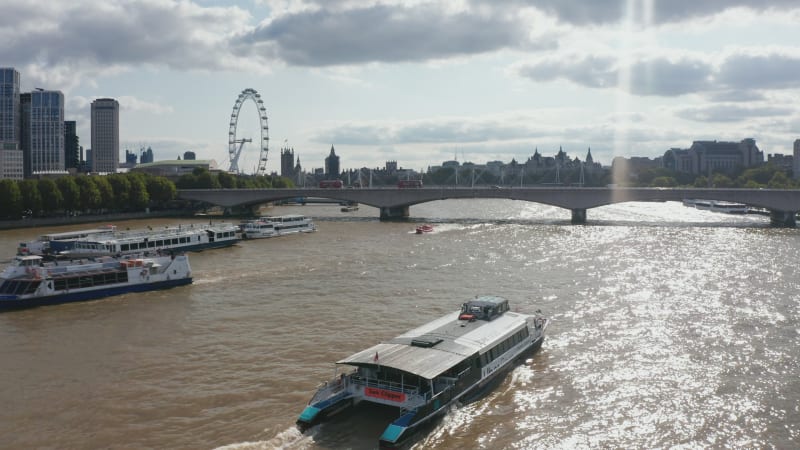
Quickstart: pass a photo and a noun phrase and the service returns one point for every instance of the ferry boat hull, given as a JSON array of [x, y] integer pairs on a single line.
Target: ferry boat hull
[[474, 352], [9, 303], [30, 281]]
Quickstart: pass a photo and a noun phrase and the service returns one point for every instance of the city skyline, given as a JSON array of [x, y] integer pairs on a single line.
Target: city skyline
[[419, 82]]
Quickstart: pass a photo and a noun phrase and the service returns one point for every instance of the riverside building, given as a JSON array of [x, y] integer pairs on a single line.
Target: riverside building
[[105, 135], [11, 160]]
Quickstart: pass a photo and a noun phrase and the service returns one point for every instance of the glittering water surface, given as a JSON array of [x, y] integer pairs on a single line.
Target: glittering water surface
[[672, 327]]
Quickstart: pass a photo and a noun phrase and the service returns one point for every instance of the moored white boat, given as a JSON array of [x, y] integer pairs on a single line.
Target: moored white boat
[[257, 229], [182, 238], [30, 281], [52, 243], [728, 207], [716, 206], [426, 370], [271, 226]]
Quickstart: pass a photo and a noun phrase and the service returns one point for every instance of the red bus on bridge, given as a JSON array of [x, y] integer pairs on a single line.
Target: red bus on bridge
[[330, 184], [404, 184]]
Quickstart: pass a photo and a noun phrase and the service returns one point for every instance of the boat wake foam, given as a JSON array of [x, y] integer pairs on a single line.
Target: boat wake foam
[[290, 438]]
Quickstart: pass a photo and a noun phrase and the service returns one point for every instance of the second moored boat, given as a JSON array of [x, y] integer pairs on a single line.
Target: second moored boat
[[271, 226]]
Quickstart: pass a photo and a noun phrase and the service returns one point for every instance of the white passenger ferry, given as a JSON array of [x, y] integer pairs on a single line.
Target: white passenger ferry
[[422, 372], [30, 281], [53, 243], [182, 238], [716, 206], [271, 226]]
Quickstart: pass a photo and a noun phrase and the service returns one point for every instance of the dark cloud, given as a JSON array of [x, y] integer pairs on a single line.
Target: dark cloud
[[590, 71], [738, 77], [581, 12], [736, 95], [731, 112], [431, 132], [647, 77], [173, 34], [766, 71], [383, 33]]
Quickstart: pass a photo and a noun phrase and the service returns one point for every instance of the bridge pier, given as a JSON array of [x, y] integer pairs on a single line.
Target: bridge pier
[[579, 215], [394, 212], [785, 219]]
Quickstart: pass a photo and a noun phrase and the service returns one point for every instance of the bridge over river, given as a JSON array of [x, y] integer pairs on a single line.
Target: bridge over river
[[395, 203]]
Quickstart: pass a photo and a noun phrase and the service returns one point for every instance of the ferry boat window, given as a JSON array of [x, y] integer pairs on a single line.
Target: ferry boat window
[[72, 283], [60, 284], [125, 247], [151, 244]]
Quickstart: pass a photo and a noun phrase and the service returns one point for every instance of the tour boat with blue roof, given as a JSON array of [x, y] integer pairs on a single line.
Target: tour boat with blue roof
[[424, 371], [31, 281]]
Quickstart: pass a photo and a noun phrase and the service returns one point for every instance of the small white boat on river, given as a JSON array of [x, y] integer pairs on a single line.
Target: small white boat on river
[[271, 226], [421, 373], [716, 206]]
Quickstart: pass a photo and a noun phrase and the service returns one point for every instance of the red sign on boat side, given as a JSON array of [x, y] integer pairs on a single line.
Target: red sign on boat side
[[383, 394]]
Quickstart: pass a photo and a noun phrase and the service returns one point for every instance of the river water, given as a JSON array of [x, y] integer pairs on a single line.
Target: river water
[[671, 327]]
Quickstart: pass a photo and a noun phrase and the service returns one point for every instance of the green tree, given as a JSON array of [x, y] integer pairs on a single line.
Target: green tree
[[226, 180], [122, 188], [161, 190], [10, 199], [700, 182], [753, 184], [762, 174], [721, 181], [663, 181], [139, 198], [206, 180], [187, 181], [91, 199], [282, 183], [52, 200], [779, 181], [70, 193], [106, 191], [31, 198]]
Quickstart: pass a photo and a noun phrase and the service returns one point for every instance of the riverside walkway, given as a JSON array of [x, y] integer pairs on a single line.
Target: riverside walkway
[[395, 203]]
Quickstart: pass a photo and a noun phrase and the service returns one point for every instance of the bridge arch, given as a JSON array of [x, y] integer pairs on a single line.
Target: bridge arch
[[393, 202]]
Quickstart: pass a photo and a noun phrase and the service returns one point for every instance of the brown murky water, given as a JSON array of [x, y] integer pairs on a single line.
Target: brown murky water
[[671, 328]]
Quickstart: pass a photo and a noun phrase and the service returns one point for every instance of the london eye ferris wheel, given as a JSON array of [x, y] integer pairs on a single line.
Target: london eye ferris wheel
[[235, 144]]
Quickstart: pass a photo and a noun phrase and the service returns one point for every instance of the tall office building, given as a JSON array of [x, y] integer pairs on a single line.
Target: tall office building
[[9, 105], [42, 136], [72, 158], [105, 135], [11, 162], [796, 159]]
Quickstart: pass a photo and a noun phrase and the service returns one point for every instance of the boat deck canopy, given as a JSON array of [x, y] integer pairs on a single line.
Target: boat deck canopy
[[432, 349]]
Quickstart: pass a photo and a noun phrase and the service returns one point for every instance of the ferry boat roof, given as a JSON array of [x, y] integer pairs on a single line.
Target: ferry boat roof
[[433, 348]]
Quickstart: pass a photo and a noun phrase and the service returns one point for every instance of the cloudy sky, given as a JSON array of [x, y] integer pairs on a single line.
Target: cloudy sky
[[419, 81]]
